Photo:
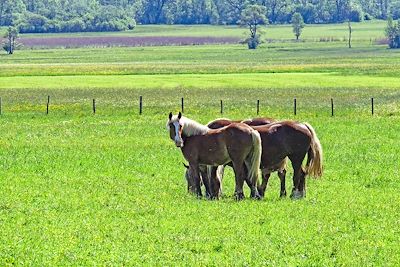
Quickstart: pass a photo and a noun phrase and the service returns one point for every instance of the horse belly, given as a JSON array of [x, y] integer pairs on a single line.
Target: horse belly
[[214, 156]]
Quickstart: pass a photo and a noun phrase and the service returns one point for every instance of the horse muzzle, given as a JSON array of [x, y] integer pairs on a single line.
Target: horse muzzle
[[179, 144]]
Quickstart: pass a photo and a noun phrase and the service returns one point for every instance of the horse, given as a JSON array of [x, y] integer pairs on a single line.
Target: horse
[[237, 143], [282, 140], [212, 176]]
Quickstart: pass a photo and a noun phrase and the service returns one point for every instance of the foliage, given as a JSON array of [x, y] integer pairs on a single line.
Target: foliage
[[297, 24], [393, 33], [253, 16], [10, 44], [117, 15]]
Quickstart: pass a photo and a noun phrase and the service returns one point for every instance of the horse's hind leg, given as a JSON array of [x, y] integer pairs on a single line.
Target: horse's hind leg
[[206, 180], [239, 178], [215, 184], [298, 177], [196, 186], [282, 175]]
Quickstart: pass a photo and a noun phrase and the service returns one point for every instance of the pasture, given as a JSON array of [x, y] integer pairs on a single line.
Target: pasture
[[108, 189]]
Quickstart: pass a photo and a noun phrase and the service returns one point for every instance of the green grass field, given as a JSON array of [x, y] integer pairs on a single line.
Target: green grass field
[[362, 31], [108, 189]]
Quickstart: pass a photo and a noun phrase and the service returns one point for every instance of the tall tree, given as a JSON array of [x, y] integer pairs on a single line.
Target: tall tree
[[11, 37], [253, 16], [297, 24]]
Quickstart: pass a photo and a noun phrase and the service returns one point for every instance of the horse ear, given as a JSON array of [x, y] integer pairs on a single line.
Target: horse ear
[[179, 115], [186, 166], [170, 116]]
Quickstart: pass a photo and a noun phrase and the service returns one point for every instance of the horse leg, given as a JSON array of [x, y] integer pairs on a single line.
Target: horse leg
[[297, 174], [261, 188], [302, 183], [215, 184], [195, 187], [252, 184], [220, 176], [282, 175], [206, 180], [239, 178]]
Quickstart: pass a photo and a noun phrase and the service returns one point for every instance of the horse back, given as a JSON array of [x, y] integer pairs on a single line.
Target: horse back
[[281, 139]]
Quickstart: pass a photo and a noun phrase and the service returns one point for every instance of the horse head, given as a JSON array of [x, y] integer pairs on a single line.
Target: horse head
[[175, 127]]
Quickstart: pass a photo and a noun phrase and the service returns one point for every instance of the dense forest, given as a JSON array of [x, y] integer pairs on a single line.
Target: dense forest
[[116, 15]]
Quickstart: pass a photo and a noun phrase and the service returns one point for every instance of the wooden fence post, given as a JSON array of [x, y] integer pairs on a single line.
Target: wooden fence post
[[47, 106], [182, 107], [372, 106], [140, 105], [258, 106], [332, 107], [222, 108], [295, 106], [94, 106]]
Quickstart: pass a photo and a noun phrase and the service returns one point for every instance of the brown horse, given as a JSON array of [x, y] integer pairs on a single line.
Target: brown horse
[[237, 143], [287, 139], [212, 176], [293, 140]]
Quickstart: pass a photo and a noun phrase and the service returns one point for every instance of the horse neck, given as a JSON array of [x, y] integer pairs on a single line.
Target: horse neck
[[193, 128]]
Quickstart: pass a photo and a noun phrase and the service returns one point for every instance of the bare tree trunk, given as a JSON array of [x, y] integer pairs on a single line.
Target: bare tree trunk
[[350, 30]]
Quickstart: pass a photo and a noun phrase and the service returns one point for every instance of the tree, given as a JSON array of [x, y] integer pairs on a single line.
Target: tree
[[253, 16], [297, 24], [10, 44], [393, 33]]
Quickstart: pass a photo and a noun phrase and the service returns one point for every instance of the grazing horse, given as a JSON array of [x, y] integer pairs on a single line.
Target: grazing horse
[[214, 182], [281, 140], [237, 143], [294, 140]]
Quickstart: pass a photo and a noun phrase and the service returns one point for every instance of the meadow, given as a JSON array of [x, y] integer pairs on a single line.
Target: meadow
[[108, 189]]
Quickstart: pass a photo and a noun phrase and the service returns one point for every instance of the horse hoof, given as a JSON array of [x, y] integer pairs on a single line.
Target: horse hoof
[[239, 196], [257, 196], [297, 194]]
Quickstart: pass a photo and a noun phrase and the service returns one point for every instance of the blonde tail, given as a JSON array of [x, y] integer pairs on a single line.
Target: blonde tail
[[255, 158], [315, 160]]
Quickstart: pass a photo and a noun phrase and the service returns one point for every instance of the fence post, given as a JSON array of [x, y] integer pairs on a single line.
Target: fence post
[[182, 107], [140, 105], [332, 107], [258, 106], [94, 106], [47, 106], [222, 108], [372, 105], [295, 106]]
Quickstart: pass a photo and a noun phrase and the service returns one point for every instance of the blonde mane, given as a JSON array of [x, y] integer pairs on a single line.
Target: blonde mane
[[190, 127]]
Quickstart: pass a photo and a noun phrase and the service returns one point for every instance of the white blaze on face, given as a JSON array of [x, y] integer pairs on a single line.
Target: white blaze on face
[[178, 140]]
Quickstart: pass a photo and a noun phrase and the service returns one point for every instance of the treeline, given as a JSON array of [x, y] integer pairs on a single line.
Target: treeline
[[117, 15]]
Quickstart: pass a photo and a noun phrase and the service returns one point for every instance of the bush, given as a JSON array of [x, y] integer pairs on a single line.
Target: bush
[[393, 33], [253, 43], [368, 16]]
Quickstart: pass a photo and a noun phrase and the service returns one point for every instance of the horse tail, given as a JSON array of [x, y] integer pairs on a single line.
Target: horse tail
[[255, 158], [314, 165]]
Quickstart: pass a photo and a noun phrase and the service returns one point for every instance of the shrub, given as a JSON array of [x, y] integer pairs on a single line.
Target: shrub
[[393, 33]]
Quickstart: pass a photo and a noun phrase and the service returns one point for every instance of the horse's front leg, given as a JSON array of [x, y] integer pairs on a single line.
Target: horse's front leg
[[195, 185]]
